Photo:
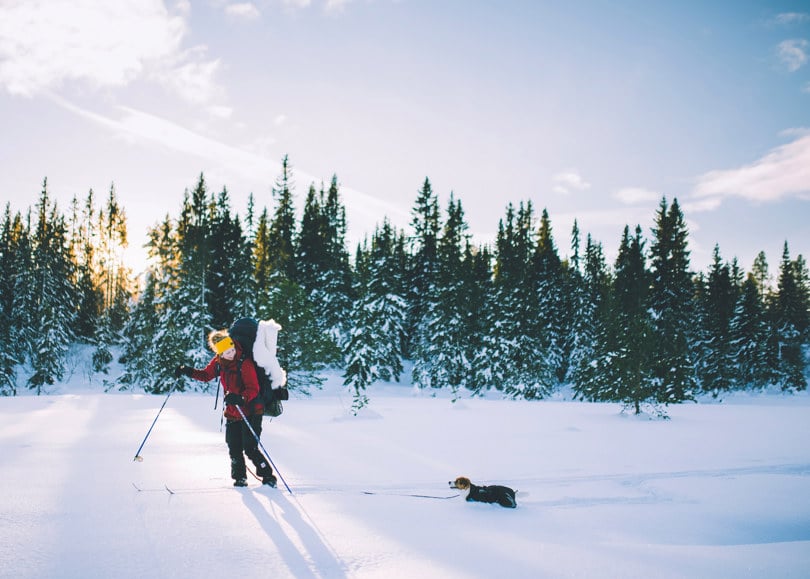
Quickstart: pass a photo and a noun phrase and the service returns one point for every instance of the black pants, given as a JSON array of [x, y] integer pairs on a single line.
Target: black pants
[[241, 443]]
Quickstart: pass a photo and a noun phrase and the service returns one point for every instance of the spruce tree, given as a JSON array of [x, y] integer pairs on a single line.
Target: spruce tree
[[229, 264], [139, 333], [53, 295], [672, 304], [761, 277], [635, 332], [514, 347], [574, 301], [422, 280], [322, 262], [555, 319], [262, 259], [790, 312], [15, 272], [281, 234], [443, 361], [374, 348], [717, 304], [338, 275], [115, 277], [592, 353], [477, 289], [749, 337], [186, 313], [84, 243]]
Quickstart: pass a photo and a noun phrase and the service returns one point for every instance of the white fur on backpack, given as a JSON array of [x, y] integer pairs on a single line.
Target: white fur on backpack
[[264, 352]]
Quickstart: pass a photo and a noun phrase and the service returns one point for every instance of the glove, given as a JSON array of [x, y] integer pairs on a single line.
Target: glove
[[234, 399], [183, 370]]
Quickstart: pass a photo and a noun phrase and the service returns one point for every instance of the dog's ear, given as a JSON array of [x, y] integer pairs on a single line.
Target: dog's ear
[[462, 483]]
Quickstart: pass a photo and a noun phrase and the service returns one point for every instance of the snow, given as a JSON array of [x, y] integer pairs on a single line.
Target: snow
[[720, 490]]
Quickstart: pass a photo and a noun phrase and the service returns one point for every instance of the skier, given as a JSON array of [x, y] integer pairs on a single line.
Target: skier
[[241, 387]]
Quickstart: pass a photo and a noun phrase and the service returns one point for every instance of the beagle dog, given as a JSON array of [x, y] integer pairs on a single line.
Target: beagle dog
[[502, 495]]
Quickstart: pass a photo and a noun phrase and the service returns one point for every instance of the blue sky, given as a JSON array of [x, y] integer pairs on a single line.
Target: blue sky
[[593, 110]]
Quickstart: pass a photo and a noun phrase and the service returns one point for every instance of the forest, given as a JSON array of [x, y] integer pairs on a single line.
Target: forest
[[513, 316]]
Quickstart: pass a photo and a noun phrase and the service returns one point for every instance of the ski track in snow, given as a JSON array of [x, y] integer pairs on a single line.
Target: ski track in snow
[[718, 491]]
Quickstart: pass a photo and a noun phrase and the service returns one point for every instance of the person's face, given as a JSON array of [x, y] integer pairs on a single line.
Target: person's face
[[229, 354]]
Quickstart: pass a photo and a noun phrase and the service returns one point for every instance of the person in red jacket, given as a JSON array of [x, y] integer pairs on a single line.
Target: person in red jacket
[[241, 387]]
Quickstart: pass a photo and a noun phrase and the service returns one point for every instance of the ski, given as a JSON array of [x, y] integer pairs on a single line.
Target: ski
[[175, 491]]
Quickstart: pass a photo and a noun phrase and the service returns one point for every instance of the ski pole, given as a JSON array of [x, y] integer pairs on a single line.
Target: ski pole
[[138, 456], [264, 450]]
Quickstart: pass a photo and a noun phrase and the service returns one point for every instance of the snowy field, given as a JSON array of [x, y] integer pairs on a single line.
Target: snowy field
[[720, 490]]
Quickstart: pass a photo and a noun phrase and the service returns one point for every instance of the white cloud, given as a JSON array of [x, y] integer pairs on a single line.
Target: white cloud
[[297, 3], [783, 172], [636, 195], [191, 77], [568, 181], [787, 18], [336, 5], [793, 53], [47, 43], [44, 43], [245, 10]]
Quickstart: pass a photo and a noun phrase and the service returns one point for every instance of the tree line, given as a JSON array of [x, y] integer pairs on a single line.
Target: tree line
[[513, 316]]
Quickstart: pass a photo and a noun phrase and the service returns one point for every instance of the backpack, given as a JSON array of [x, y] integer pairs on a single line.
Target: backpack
[[262, 353]]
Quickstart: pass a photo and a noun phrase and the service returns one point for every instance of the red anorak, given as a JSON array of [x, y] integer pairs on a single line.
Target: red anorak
[[246, 384]]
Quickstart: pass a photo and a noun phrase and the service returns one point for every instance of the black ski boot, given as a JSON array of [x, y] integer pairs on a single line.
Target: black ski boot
[[269, 481], [240, 482]]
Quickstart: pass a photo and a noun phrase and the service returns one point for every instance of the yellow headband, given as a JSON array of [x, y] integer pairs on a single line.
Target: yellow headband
[[223, 345]]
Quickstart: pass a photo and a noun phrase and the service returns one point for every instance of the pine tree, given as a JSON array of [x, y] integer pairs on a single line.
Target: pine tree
[[281, 233], [154, 343], [186, 314], [672, 304], [477, 289], [374, 348], [311, 252], [514, 347], [15, 272], [422, 280], [229, 271], [717, 303], [176, 313], [322, 262], [139, 332], [115, 278], [52, 293], [84, 241], [620, 368], [338, 274], [444, 351], [262, 260], [749, 337], [790, 313], [761, 277], [594, 317], [555, 319]]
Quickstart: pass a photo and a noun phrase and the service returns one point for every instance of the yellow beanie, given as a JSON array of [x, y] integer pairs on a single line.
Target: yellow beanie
[[223, 345], [220, 341]]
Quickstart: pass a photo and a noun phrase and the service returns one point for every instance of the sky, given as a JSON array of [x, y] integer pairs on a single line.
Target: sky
[[593, 110]]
